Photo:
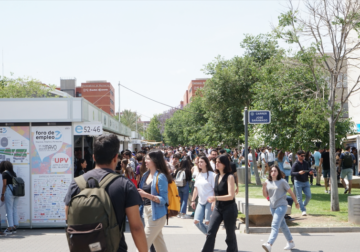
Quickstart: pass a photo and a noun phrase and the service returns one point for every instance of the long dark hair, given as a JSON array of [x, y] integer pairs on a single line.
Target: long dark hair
[[158, 158], [208, 166], [143, 168], [186, 166], [7, 166], [225, 161], [280, 156], [279, 176]]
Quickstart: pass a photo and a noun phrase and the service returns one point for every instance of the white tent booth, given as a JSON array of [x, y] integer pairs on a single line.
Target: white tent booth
[[43, 138]]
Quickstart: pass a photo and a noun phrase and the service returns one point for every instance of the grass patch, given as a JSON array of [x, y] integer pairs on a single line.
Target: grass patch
[[318, 209]]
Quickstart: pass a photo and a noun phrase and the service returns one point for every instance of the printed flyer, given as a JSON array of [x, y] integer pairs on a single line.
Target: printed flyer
[[51, 157], [14, 147]]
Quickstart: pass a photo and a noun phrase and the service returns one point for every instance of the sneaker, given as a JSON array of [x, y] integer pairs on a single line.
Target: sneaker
[[2, 234], [14, 230], [289, 218], [326, 191], [179, 215], [184, 216], [346, 190], [267, 247], [289, 246], [7, 232], [304, 213], [318, 184]]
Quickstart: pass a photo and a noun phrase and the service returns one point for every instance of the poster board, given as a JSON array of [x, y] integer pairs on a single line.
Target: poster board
[[51, 173], [14, 147]]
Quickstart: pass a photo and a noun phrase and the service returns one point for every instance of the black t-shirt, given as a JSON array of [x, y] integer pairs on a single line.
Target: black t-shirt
[[122, 193], [6, 175], [147, 188], [233, 167], [326, 160]]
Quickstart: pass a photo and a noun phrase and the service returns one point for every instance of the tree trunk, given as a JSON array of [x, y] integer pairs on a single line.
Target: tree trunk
[[256, 171], [333, 174]]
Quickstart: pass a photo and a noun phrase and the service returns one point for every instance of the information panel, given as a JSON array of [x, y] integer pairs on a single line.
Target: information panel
[[14, 147], [51, 172]]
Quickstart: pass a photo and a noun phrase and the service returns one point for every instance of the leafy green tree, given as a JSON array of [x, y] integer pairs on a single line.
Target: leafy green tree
[[153, 130], [132, 120], [318, 28], [24, 88]]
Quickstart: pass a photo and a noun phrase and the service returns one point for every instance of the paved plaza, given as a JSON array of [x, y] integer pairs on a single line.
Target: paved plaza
[[182, 235]]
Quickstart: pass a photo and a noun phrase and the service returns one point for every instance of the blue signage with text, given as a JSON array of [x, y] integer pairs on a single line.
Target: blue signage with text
[[259, 116], [358, 128]]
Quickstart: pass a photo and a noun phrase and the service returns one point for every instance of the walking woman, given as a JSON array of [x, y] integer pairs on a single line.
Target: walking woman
[[223, 205], [204, 187], [284, 164], [154, 208], [11, 202], [276, 188], [184, 190]]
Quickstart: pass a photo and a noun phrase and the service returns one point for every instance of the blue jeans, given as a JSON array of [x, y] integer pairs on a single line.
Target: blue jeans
[[11, 203], [252, 168], [278, 222], [203, 212], [184, 195], [302, 187]]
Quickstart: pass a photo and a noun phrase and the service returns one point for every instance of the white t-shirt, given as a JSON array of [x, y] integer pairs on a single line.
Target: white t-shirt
[[250, 157], [271, 157], [205, 186], [263, 158], [212, 163]]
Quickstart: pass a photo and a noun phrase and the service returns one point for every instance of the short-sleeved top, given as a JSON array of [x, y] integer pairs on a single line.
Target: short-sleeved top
[[342, 158], [6, 175], [277, 192], [317, 156], [326, 160], [205, 183], [122, 193]]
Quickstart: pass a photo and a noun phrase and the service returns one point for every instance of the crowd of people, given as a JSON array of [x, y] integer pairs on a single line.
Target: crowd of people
[[206, 182]]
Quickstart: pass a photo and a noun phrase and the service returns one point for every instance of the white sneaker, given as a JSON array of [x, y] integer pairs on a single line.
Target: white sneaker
[[184, 216], [289, 246], [179, 215], [304, 213], [267, 247], [326, 191]]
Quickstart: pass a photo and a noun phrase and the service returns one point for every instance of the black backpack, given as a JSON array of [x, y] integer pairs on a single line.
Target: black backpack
[[18, 186], [348, 161]]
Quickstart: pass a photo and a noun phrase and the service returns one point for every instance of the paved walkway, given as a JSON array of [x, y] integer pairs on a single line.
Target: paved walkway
[[182, 235]]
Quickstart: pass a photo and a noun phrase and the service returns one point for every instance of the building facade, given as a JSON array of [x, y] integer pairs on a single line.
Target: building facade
[[100, 93], [190, 93]]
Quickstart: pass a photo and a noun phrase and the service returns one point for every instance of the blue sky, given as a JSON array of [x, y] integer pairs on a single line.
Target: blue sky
[[153, 47]]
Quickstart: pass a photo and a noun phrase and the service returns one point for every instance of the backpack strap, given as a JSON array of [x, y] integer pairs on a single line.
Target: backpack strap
[[108, 179], [157, 184], [81, 182]]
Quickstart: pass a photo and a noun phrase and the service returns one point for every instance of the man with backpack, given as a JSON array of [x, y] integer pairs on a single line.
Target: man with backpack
[[347, 160], [98, 201]]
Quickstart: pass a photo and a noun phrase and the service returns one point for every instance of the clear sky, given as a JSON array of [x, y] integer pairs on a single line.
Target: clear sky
[[153, 47]]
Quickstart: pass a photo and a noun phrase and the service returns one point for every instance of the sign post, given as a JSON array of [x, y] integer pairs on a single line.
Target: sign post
[[252, 117]]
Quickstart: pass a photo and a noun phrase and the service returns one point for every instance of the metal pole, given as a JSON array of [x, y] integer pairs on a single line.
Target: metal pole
[[246, 172], [119, 101], [136, 116]]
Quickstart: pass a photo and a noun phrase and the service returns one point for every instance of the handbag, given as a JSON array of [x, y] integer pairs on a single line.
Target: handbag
[[286, 165], [180, 179]]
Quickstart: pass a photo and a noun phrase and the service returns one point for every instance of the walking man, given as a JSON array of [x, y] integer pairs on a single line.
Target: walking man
[[325, 164], [300, 171], [347, 160]]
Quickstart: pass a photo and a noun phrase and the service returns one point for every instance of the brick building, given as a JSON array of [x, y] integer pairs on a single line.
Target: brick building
[[194, 85], [100, 93]]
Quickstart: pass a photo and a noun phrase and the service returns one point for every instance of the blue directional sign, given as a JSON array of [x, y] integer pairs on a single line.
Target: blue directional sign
[[259, 117]]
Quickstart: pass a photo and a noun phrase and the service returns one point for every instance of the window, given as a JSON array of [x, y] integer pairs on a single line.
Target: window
[[111, 111], [111, 92], [342, 81], [190, 90], [111, 101]]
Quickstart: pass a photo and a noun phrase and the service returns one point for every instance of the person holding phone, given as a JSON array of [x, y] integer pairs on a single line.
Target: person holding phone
[[300, 170]]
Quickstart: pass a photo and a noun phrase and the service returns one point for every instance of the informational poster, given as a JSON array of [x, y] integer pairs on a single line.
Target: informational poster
[[51, 172], [14, 147]]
